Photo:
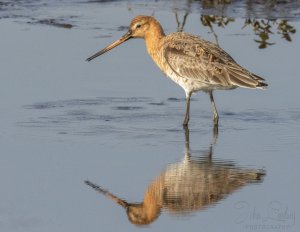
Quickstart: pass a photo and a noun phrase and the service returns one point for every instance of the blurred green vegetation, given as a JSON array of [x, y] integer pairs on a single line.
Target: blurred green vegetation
[[264, 29]]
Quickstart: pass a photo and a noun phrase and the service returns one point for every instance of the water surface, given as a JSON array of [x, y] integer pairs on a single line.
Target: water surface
[[116, 121]]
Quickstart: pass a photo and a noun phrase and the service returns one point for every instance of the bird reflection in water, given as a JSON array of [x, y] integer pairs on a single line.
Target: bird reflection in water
[[188, 186]]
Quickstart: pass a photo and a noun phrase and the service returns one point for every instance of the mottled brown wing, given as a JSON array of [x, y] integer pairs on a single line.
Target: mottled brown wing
[[197, 59], [187, 62]]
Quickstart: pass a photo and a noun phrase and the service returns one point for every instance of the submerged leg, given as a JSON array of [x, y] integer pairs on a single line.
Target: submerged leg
[[187, 111], [214, 108], [187, 142]]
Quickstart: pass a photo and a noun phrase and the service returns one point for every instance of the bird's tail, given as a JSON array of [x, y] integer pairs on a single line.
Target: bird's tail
[[261, 84], [243, 78]]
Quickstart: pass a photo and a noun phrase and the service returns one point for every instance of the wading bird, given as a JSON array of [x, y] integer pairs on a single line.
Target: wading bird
[[186, 187], [190, 61]]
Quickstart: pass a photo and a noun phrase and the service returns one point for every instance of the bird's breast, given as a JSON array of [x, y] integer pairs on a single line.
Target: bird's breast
[[188, 84]]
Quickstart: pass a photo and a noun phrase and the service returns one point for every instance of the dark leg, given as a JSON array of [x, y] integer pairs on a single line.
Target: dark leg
[[187, 142], [215, 132], [214, 109], [187, 112]]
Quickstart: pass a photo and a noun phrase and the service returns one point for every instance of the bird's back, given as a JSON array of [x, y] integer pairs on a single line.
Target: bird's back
[[196, 60]]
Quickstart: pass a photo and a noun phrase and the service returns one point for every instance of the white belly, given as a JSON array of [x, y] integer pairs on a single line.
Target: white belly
[[191, 85]]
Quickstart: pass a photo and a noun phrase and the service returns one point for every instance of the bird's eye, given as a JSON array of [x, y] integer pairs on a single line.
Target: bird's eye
[[138, 26]]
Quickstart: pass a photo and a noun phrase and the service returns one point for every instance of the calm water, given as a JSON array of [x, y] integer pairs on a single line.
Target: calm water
[[116, 122]]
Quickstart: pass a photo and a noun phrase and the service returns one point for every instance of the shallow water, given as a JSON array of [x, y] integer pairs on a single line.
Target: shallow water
[[116, 121]]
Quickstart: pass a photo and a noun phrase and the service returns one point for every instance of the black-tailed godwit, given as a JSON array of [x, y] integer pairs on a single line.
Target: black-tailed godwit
[[190, 61]]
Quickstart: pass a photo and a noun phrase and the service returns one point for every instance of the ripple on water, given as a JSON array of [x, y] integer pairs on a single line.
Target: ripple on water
[[127, 107], [124, 114], [85, 102], [136, 113]]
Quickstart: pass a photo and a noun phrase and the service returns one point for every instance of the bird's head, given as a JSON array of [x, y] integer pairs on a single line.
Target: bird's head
[[140, 27]]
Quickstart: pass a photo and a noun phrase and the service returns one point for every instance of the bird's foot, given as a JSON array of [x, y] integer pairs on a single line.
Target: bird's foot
[[216, 120], [186, 121], [185, 125]]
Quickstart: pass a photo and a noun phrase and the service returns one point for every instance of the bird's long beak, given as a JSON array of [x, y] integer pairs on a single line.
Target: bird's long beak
[[106, 193], [124, 38]]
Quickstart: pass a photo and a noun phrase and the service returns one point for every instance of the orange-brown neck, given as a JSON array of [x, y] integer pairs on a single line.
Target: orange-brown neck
[[153, 37], [149, 210]]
